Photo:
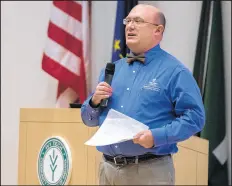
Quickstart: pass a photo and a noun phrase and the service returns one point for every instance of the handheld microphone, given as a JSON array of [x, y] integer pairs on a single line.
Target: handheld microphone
[[109, 73]]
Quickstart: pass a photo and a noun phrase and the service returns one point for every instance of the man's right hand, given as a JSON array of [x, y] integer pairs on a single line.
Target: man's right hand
[[103, 90]]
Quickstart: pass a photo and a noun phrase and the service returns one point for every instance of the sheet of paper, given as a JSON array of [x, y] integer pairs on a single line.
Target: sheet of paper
[[116, 128]]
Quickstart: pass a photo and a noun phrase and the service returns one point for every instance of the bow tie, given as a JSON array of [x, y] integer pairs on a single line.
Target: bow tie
[[131, 58]]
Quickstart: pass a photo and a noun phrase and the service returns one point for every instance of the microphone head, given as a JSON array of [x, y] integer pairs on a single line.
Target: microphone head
[[110, 67]]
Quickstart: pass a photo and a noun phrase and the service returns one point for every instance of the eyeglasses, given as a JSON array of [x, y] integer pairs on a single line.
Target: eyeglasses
[[136, 21]]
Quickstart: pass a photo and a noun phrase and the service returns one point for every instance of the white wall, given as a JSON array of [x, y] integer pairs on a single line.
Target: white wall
[[226, 14], [103, 17], [24, 84]]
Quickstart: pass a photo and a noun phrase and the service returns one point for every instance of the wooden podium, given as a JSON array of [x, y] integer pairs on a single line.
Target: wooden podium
[[38, 124]]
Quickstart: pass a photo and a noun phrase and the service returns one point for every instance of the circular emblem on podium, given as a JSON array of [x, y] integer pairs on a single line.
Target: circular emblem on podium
[[54, 162]]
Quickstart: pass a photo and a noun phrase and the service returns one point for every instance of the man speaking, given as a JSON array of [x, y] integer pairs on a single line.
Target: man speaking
[[153, 87]]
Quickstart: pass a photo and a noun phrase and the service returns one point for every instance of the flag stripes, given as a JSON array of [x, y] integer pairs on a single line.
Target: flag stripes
[[66, 52]]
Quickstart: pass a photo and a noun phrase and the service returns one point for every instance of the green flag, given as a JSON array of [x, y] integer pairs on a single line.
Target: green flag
[[214, 101], [199, 62], [201, 47]]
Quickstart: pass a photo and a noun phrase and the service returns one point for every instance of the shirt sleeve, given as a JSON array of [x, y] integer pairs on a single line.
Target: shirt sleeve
[[188, 108], [90, 115]]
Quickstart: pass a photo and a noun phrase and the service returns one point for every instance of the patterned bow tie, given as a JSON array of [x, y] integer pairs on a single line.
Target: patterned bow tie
[[131, 58]]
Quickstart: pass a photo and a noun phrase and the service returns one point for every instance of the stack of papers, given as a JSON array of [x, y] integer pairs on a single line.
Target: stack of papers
[[116, 128]]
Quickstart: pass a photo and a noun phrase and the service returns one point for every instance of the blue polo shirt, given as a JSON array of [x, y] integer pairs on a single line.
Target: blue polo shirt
[[161, 93]]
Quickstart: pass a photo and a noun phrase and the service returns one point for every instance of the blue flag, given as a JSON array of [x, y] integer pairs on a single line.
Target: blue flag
[[119, 43]]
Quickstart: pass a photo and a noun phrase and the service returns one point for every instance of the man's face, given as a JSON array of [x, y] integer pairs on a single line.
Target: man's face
[[140, 35]]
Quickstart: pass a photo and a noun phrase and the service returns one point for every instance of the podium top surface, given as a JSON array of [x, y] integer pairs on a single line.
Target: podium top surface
[[50, 115]]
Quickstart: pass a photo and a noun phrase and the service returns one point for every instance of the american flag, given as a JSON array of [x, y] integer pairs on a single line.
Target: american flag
[[66, 55]]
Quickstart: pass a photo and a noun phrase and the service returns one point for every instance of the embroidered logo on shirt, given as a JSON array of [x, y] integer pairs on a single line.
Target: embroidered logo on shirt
[[152, 85]]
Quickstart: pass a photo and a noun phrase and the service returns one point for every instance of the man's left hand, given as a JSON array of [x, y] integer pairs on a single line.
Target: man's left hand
[[144, 138]]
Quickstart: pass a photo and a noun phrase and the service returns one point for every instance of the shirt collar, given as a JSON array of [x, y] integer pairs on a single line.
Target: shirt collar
[[151, 53]]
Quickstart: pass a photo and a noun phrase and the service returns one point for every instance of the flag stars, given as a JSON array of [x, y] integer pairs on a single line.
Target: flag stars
[[116, 45]]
